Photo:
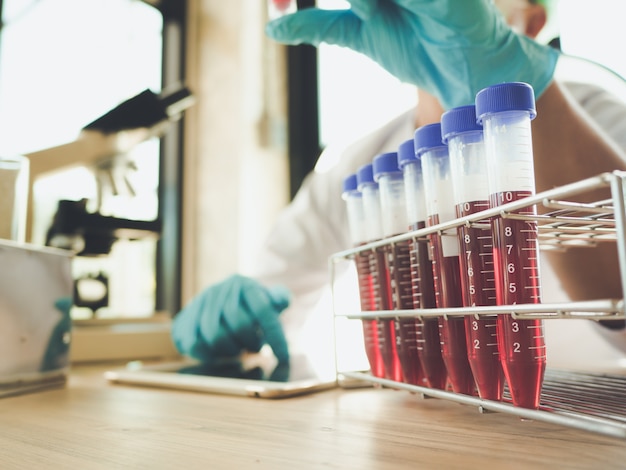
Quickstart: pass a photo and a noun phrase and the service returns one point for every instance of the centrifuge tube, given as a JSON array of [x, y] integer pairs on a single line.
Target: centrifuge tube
[[468, 164], [422, 284], [356, 225], [278, 8], [394, 222], [506, 111], [444, 254], [380, 274]]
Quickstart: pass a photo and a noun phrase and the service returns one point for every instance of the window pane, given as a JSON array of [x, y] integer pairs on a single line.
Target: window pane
[[595, 32], [64, 63], [355, 93]]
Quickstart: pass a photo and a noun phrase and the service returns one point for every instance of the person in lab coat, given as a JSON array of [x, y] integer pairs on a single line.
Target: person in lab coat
[[450, 49]]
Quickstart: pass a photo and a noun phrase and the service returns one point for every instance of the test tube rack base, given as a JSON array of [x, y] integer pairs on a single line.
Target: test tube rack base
[[590, 402]]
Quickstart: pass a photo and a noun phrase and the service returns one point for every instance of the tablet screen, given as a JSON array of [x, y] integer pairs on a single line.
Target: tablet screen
[[297, 369]]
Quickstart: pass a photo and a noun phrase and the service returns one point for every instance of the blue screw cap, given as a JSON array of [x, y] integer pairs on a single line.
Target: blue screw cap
[[350, 183], [428, 137], [406, 153], [365, 175], [385, 163], [459, 121], [514, 96]]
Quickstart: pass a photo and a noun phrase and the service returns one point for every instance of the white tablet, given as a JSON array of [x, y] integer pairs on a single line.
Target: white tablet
[[255, 376]]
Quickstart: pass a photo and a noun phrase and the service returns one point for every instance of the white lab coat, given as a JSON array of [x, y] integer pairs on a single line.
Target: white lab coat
[[311, 229], [314, 226]]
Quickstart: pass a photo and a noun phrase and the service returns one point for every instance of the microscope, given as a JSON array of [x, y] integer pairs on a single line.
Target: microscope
[[103, 146]]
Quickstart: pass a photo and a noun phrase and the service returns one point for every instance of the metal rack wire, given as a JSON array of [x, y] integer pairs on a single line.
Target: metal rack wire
[[592, 402]]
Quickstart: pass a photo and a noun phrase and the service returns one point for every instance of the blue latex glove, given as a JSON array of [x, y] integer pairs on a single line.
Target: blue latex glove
[[449, 48], [227, 318]]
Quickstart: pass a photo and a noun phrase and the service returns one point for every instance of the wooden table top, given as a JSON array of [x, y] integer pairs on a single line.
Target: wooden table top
[[90, 424]]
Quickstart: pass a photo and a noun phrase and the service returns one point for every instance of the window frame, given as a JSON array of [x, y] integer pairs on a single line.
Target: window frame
[[169, 246], [303, 110]]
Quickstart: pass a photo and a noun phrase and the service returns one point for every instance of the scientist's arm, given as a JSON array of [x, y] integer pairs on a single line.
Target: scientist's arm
[[314, 226], [568, 146]]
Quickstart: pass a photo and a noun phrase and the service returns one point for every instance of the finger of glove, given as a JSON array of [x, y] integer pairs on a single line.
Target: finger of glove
[[364, 9], [186, 332], [275, 336], [314, 26], [280, 297], [446, 19], [264, 308], [281, 372], [440, 9], [238, 326]]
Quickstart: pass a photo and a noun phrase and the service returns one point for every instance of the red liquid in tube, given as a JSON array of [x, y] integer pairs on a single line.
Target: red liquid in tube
[[447, 279], [423, 289], [386, 327], [399, 262], [368, 303], [479, 289], [521, 342]]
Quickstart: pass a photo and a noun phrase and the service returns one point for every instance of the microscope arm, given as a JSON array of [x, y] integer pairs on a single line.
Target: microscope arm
[[136, 120], [116, 132], [88, 149]]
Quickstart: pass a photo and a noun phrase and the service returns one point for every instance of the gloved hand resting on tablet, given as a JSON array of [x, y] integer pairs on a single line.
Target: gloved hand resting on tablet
[[230, 317]]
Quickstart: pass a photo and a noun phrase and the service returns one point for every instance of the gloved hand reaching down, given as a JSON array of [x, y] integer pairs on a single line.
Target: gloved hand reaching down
[[449, 48], [230, 317]]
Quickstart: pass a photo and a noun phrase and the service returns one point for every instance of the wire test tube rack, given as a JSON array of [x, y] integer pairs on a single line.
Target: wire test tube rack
[[587, 401]]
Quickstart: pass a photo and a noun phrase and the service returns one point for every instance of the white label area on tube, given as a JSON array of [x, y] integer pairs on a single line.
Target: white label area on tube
[[447, 212], [395, 221], [473, 188], [450, 245], [510, 159], [518, 175]]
